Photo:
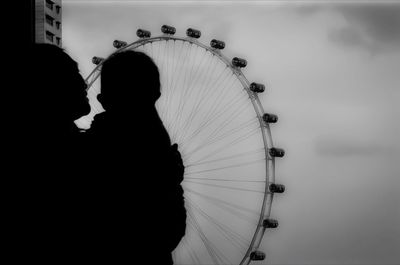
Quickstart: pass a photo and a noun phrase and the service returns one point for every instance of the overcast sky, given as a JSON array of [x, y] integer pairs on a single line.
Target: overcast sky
[[332, 75]]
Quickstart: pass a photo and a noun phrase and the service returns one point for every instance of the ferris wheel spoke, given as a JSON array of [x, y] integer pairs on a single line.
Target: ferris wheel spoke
[[170, 64], [205, 88], [165, 85], [222, 148], [225, 108], [224, 187], [209, 141], [168, 84], [217, 99], [164, 77], [251, 221], [158, 51], [189, 89], [212, 88], [179, 96], [191, 86], [238, 155], [168, 89], [229, 234], [192, 254], [203, 122], [228, 105], [196, 228], [213, 98], [193, 89], [171, 87], [198, 63], [229, 180], [214, 137], [152, 49], [240, 211], [187, 250], [199, 98], [209, 87], [227, 167], [212, 251], [164, 55], [161, 60], [183, 95], [227, 119]]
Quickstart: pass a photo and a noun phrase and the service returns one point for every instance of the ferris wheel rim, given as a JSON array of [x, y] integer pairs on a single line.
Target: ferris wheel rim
[[258, 108]]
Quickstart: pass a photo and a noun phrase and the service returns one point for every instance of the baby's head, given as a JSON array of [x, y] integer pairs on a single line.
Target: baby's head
[[129, 79]]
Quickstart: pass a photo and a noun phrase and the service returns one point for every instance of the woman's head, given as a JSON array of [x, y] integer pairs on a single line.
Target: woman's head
[[57, 88], [129, 79]]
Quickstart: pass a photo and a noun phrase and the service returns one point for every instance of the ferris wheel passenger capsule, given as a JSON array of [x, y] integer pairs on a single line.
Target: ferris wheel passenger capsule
[[193, 33], [276, 188], [257, 88], [217, 44], [141, 33], [270, 118], [119, 44], [276, 152], [257, 255], [270, 223], [238, 62], [97, 60], [168, 30]]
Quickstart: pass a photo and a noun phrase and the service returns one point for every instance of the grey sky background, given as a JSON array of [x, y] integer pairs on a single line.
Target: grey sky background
[[332, 76]]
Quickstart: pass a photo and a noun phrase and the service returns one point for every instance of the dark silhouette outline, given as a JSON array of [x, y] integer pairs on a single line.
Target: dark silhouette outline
[[56, 92], [142, 214], [51, 191]]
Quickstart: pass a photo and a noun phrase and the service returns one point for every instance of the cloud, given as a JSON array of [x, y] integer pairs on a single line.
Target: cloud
[[334, 146], [375, 27], [380, 22], [348, 36], [371, 26]]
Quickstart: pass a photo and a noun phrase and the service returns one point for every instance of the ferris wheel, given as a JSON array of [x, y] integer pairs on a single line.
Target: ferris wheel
[[214, 114]]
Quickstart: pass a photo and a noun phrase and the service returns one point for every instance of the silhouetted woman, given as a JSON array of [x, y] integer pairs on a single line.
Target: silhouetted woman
[[50, 155], [141, 206]]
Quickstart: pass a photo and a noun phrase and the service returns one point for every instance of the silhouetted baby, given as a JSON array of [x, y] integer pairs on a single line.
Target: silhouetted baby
[[141, 212]]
